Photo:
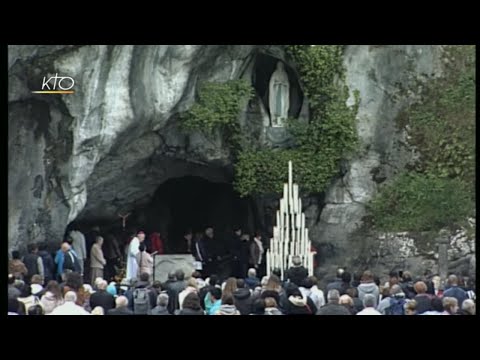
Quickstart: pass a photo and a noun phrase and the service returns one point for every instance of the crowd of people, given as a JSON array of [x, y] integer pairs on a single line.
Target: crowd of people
[[32, 290]]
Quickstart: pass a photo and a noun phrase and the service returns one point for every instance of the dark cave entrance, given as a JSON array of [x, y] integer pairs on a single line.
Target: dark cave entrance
[[194, 203]]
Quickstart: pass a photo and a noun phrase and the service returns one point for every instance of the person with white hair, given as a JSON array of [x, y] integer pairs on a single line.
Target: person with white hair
[[369, 302], [333, 306], [252, 281], [468, 307], [98, 311], [162, 305], [122, 307], [102, 298], [69, 307]]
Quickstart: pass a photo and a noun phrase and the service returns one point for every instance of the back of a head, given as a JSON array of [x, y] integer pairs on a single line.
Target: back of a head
[[196, 274], [252, 273], [290, 288], [258, 306], [145, 277], [70, 296], [407, 276], [469, 306], [270, 302], [98, 310], [240, 283], [437, 304], [395, 289], [449, 303], [15, 255], [192, 301], [277, 272], [180, 275], [162, 299], [102, 285], [308, 283], [142, 247], [227, 299], [171, 276], [216, 293], [214, 280], [452, 280], [367, 276], [74, 281], [296, 260], [37, 279], [369, 300], [333, 296], [273, 283], [192, 282], [35, 310], [345, 300], [346, 277], [420, 287], [121, 301]]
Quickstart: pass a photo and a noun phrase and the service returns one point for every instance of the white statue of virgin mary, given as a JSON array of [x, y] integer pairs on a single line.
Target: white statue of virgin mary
[[279, 96]]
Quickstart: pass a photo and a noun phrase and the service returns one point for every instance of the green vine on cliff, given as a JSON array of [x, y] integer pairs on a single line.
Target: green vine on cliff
[[439, 190], [217, 108], [322, 143]]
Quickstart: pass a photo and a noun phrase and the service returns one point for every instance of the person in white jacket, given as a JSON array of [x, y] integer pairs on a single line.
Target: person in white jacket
[[69, 307], [133, 249]]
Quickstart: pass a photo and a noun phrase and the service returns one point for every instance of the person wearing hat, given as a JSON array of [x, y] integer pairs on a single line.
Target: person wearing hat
[[133, 249]]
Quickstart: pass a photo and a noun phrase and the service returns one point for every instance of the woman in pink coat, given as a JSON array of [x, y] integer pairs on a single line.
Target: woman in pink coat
[[144, 261]]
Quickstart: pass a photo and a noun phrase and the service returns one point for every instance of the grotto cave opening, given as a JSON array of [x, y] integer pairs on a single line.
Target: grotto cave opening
[[182, 203]]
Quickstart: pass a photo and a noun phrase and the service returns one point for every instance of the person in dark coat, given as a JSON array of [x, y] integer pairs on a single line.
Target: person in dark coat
[[70, 260], [424, 302], [297, 273], [242, 298], [333, 306], [122, 307], [298, 305], [48, 264], [454, 290], [102, 298], [33, 262], [174, 289]]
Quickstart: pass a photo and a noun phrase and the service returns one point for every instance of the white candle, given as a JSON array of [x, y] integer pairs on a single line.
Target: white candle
[[285, 190], [303, 221]]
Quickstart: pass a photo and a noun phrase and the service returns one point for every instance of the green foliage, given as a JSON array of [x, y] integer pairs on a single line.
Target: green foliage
[[329, 136], [217, 107], [418, 202], [440, 190]]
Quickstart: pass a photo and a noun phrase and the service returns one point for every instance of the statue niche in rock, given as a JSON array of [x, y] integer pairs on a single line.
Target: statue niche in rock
[[279, 96]]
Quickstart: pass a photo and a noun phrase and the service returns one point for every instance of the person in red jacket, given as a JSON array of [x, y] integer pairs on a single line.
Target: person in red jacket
[[156, 243]]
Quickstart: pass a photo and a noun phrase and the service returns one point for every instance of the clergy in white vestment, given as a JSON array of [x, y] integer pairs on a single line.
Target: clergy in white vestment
[[132, 265]]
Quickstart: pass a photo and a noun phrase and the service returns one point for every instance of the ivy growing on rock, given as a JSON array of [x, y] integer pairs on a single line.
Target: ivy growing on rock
[[322, 143], [217, 107], [439, 191]]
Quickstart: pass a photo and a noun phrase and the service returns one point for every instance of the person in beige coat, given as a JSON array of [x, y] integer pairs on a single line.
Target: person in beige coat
[[97, 260], [144, 261]]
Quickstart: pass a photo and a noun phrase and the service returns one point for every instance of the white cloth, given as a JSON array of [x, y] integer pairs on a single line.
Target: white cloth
[[78, 244], [369, 311], [183, 294], [132, 264], [260, 246], [69, 308]]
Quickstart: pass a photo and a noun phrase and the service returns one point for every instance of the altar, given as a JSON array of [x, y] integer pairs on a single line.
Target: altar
[[163, 264]]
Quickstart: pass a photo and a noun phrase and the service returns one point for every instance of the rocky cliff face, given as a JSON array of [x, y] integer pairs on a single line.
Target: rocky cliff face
[[108, 147]]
